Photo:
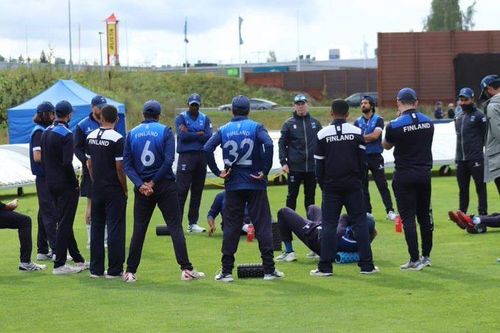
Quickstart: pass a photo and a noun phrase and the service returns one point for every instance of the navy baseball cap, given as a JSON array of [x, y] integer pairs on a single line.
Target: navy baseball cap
[[194, 99], [63, 108], [152, 107], [241, 103], [45, 107], [466, 92], [98, 101], [407, 94], [489, 79], [300, 98]]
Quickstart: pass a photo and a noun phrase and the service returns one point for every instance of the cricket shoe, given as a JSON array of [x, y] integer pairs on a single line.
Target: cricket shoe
[[391, 216], [188, 275], [286, 257], [274, 275], [195, 228], [31, 267], [426, 261], [222, 277], [44, 256], [454, 217], [129, 277], [82, 266], [312, 255], [65, 270], [374, 270], [412, 266], [318, 273]]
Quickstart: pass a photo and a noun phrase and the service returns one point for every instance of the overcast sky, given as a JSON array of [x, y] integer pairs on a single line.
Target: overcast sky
[[152, 32]]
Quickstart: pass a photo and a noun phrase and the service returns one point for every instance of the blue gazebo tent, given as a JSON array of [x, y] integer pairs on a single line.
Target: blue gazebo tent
[[20, 117]]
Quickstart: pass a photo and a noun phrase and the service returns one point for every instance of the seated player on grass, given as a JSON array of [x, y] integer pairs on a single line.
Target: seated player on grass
[[475, 224], [217, 208], [308, 231]]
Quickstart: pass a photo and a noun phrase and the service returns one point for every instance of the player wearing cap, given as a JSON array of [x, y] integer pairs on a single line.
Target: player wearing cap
[[371, 125], [470, 127], [13, 220], [411, 136], [104, 153], [490, 89], [148, 158], [46, 212], [341, 182], [57, 163], [84, 127], [193, 130], [247, 151], [296, 152]]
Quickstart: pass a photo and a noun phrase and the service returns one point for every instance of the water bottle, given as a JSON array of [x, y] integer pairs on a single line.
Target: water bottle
[[250, 233], [398, 224]]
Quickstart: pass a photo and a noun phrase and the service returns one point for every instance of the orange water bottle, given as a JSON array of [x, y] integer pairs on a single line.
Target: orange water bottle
[[250, 233], [398, 224]]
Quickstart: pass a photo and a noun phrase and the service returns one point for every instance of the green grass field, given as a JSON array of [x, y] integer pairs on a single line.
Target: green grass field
[[459, 293]]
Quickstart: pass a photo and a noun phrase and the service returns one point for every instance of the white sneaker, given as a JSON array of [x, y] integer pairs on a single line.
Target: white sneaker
[[312, 255], [412, 266], [317, 272], [44, 256], [195, 228], [129, 277], [82, 265], [66, 269], [188, 275], [111, 277], [370, 215], [31, 267], [68, 257], [95, 276], [286, 257], [391, 216], [274, 275], [224, 277]]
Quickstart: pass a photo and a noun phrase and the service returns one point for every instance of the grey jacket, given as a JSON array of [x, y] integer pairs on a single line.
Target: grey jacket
[[492, 147]]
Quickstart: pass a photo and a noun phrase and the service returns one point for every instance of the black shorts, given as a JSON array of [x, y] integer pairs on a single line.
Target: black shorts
[[86, 186]]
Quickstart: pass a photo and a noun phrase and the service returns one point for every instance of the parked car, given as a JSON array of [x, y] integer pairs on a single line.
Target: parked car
[[255, 104], [355, 99]]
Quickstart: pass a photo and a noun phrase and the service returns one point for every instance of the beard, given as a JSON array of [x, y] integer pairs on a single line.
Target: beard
[[365, 111], [467, 107]]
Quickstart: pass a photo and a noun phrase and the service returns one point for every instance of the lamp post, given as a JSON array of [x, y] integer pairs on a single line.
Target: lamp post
[[100, 47]]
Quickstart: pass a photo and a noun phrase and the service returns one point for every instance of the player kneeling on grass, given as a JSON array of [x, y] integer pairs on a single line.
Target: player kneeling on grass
[[148, 158], [104, 153], [12, 220], [247, 150], [309, 231]]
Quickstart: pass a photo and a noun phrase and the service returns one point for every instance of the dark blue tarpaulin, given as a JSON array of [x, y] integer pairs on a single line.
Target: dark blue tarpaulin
[[20, 117]]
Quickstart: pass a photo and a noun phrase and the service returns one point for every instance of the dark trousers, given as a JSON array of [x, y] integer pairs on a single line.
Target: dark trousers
[[165, 196], [375, 164], [191, 173], [260, 215], [108, 209], [47, 224], [414, 199], [306, 230], [294, 181], [492, 221], [13, 220], [332, 204], [65, 198], [497, 183], [466, 169]]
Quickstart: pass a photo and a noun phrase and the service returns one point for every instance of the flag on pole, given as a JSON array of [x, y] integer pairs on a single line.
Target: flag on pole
[[186, 31], [239, 29]]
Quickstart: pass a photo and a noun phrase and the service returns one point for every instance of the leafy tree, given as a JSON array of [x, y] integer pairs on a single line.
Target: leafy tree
[[43, 58], [2, 59], [446, 15], [272, 56], [20, 59]]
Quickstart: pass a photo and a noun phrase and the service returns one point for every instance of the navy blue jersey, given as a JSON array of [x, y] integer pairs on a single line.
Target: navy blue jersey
[[149, 153], [247, 149], [35, 145], [411, 134], [368, 127], [190, 141], [104, 148], [57, 155], [340, 157], [83, 128]]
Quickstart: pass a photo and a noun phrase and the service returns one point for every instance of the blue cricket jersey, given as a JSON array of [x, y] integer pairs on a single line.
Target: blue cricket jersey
[[83, 128], [368, 127], [35, 145], [190, 141], [149, 153], [247, 149]]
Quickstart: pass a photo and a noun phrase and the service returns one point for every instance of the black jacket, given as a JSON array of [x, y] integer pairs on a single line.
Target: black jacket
[[297, 143], [471, 129]]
